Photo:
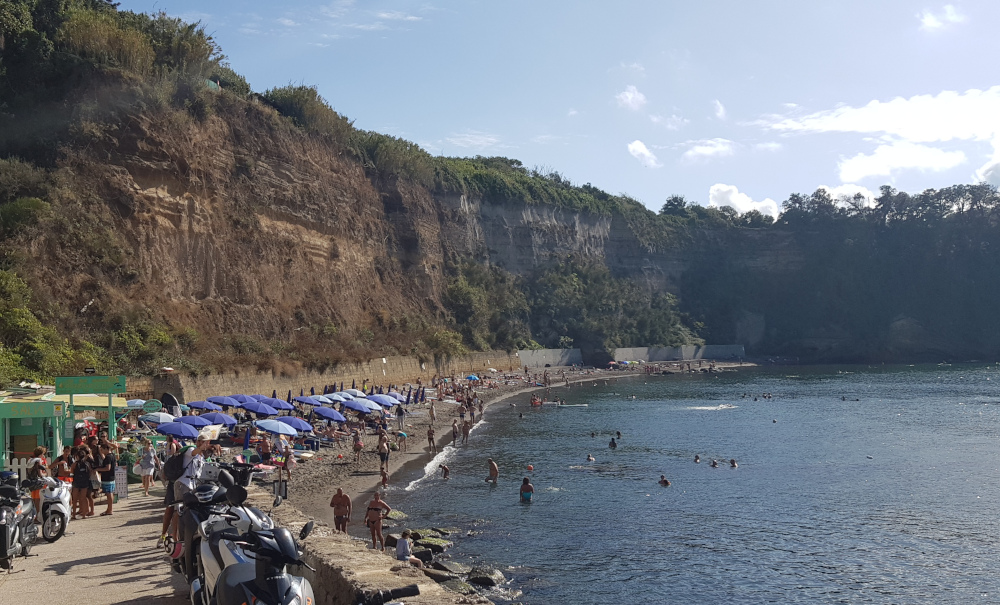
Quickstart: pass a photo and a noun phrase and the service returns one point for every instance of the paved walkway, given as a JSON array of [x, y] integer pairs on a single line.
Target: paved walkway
[[100, 560]]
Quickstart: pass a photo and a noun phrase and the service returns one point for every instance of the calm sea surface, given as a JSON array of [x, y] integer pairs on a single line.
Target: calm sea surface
[[889, 499]]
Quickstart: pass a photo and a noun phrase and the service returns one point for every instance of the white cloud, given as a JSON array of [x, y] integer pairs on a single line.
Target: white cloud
[[840, 192], [888, 158], [636, 68], [728, 195], [631, 98], [930, 21], [720, 109], [711, 148], [370, 27], [771, 146], [397, 16], [905, 126], [674, 122], [287, 22], [337, 9], [640, 152], [572, 112], [473, 140]]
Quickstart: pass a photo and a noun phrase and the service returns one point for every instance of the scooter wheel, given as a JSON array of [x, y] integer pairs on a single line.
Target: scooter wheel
[[53, 527]]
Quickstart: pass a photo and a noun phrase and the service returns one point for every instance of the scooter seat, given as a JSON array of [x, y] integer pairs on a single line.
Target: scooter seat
[[229, 585]]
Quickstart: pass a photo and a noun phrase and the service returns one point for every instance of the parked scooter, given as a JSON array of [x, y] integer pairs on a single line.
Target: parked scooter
[[55, 509], [17, 520], [251, 567]]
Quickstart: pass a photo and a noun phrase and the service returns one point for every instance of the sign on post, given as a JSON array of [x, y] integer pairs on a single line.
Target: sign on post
[[84, 385], [152, 405]]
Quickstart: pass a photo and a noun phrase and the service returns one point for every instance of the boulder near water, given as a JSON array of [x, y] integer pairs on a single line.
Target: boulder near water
[[486, 576]]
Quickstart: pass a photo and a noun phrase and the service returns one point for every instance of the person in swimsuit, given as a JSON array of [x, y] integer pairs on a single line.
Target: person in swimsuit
[[664, 482], [613, 445], [714, 463], [466, 429], [383, 451], [432, 446], [697, 459], [444, 471], [590, 458], [494, 471], [732, 463], [358, 446], [83, 504], [341, 504], [454, 430], [527, 489], [377, 510]]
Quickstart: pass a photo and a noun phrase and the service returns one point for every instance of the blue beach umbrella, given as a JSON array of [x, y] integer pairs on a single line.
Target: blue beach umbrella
[[278, 404], [178, 429], [307, 400], [135, 403], [356, 405], [323, 399], [383, 400], [218, 418], [296, 423], [353, 385], [355, 392], [274, 394], [157, 418], [244, 398], [277, 428], [312, 391], [205, 405], [260, 408], [227, 402], [329, 414], [195, 421], [257, 397], [472, 377], [396, 395], [334, 397]]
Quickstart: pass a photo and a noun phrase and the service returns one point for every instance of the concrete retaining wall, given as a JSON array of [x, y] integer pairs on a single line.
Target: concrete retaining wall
[[553, 357], [683, 353], [380, 371]]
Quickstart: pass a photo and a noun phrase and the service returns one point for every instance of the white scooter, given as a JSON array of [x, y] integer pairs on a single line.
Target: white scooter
[[55, 509]]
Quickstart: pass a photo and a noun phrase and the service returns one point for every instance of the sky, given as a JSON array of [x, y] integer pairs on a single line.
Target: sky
[[726, 102]]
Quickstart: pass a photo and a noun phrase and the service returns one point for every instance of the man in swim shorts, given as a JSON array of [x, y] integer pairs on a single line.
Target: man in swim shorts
[[494, 471], [664, 482], [341, 504]]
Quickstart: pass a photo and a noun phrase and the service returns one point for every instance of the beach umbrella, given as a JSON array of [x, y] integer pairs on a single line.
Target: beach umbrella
[[135, 403], [278, 428], [343, 395], [205, 405], [260, 408], [257, 397], [289, 398], [352, 385], [178, 429], [157, 418], [371, 405], [397, 396], [334, 397], [218, 418], [244, 398], [356, 405], [472, 377], [383, 400], [323, 399], [423, 394], [408, 395], [278, 404], [329, 414], [274, 394], [312, 391], [195, 421], [354, 392], [308, 400], [296, 423], [227, 402]]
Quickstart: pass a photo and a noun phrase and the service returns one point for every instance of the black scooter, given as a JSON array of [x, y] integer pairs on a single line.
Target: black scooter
[[17, 520]]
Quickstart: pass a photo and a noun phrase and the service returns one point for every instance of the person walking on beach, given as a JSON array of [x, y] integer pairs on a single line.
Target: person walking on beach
[[433, 413], [454, 430], [494, 471], [148, 464], [377, 510], [431, 444], [383, 450], [341, 504], [466, 428], [358, 445]]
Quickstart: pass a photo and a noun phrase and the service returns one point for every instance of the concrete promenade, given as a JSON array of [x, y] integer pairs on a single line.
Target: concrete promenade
[[100, 560]]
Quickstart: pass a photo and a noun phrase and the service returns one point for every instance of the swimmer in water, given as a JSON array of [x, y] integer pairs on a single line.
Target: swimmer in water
[[714, 463], [613, 445], [590, 458], [697, 459], [527, 489], [593, 434], [444, 471], [732, 463], [494, 471], [618, 434], [664, 482], [520, 415]]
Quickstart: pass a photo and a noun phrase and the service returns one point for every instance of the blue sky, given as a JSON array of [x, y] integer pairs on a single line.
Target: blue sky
[[725, 102]]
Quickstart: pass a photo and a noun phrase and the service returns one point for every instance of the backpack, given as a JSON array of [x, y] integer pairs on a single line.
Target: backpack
[[173, 468]]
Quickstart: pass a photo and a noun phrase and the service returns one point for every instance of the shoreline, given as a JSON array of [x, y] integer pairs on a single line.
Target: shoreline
[[360, 482]]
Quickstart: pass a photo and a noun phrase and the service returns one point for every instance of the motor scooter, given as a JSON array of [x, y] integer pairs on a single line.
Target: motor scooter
[[17, 520], [55, 508]]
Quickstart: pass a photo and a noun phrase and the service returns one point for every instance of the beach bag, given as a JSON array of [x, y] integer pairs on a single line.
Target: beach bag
[[173, 468], [136, 470]]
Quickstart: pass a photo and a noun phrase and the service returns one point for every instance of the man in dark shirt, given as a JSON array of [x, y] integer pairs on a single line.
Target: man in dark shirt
[[107, 471]]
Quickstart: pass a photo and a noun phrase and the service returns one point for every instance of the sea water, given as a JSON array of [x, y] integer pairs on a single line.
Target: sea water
[[854, 485]]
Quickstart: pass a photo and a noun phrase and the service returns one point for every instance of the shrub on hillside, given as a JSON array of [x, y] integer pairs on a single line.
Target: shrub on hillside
[[308, 110]]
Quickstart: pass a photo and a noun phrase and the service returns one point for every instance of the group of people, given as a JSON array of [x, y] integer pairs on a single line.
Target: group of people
[[88, 467]]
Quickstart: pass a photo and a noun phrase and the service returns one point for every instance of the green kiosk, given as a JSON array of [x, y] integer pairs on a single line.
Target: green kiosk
[[27, 421], [86, 385]]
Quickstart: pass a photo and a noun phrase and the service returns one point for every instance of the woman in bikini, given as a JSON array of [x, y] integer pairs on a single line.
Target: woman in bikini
[[377, 510]]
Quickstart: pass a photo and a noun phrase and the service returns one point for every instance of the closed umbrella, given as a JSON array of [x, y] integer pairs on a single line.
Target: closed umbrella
[[329, 414], [278, 428], [178, 429], [157, 418], [218, 418], [195, 421], [260, 408], [296, 423], [206, 405]]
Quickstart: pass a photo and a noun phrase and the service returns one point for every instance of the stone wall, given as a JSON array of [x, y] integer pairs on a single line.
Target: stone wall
[[380, 371], [553, 357], [686, 352]]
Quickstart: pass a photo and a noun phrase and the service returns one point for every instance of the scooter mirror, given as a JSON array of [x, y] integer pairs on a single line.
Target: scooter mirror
[[226, 480], [236, 495], [306, 530], [277, 501]]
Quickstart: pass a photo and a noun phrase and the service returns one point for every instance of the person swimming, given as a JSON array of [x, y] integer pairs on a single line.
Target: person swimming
[[732, 463], [590, 458], [613, 445], [697, 459], [664, 482], [714, 464], [527, 489]]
